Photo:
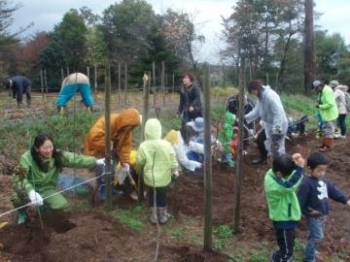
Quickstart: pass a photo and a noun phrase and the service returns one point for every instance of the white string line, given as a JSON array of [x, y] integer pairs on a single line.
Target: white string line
[[56, 193]]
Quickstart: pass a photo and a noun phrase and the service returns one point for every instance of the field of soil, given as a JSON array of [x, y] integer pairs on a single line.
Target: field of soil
[[88, 233]]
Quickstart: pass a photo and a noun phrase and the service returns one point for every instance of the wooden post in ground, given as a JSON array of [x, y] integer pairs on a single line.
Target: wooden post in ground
[[146, 91], [42, 83], [208, 178], [125, 83], [108, 157], [239, 158], [95, 74]]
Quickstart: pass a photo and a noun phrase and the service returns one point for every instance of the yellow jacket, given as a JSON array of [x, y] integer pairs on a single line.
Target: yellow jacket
[[121, 135]]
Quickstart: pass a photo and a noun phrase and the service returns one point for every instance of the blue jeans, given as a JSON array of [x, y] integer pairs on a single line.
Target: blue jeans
[[316, 227], [342, 124]]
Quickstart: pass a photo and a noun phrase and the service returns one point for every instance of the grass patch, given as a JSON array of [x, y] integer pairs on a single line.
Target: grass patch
[[131, 218]]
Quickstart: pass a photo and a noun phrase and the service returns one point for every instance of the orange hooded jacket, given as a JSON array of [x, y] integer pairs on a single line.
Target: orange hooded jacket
[[94, 144]]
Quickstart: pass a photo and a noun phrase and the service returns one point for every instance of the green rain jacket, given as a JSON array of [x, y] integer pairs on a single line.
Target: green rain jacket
[[41, 181], [156, 156], [227, 132], [328, 106], [281, 196]]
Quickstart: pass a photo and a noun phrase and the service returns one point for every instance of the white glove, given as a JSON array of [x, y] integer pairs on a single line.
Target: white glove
[[126, 167], [100, 161], [35, 198], [176, 173], [251, 132]]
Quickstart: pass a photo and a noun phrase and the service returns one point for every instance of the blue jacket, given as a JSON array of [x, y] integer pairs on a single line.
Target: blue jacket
[[20, 85], [314, 193]]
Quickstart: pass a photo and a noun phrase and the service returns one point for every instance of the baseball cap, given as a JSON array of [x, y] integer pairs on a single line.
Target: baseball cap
[[316, 83], [333, 83]]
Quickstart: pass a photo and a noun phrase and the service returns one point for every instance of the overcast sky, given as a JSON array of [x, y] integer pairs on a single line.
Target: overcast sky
[[206, 15]]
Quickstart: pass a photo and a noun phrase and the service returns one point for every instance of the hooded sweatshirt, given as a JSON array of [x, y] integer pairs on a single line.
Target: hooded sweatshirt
[[339, 93], [227, 132], [156, 156], [121, 135], [282, 200], [328, 106]]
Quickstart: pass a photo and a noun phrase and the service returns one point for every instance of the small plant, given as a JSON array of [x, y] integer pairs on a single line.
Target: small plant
[[129, 218], [223, 231], [219, 244], [177, 233], [257, 258]]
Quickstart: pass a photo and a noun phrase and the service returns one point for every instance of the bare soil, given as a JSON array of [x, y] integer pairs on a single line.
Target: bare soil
[[89, 234]]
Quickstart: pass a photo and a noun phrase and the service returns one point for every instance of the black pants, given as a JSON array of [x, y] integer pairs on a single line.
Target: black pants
[[260, 141], [342, 124], [190, 116], [161, 193], [285, 241]]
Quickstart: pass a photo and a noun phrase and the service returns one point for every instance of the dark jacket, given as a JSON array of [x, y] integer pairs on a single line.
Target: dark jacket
[[20, 85], [190, 97], [314, 193]]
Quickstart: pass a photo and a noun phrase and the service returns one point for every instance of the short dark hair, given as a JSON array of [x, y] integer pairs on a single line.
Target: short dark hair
[[255, 85], [187, 132], [283, 164], [316, 159]]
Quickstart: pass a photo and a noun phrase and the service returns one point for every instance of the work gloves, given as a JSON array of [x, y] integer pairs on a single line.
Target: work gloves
[[35, 198], [126, 167], [100, 161]]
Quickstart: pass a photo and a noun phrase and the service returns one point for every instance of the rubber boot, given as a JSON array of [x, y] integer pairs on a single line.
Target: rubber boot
[[153, 218], [89, 109], [164, 216], [21, 216], [327, 142]]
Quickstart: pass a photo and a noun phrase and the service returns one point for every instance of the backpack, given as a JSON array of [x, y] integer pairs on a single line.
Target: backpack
[[347, 101]]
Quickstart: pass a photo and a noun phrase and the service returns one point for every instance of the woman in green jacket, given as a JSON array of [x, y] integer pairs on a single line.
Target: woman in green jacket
[[35, 179]]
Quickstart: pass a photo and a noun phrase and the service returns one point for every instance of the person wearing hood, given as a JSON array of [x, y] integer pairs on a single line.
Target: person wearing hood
[[339, 94], [329, 112], [269, 109], [157, 158], [122, 125], [226, 137]]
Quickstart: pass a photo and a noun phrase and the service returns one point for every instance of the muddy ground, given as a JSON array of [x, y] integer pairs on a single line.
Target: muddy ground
[[90, 235], [87, 233]]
